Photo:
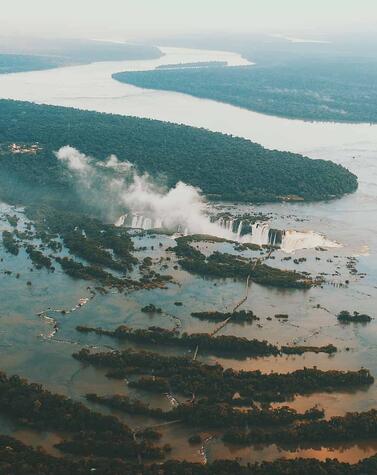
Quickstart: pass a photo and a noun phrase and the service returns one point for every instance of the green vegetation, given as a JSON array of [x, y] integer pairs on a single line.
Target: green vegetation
[[230, 266], [150, 308], [241, 316], [15, 63], [10, 244], [102, 246], [204, 414], [38, 258], [91, 433], [223, 344], [85, 236], [299, 350], [353, 426], [20, 459], [346, 317], [321, 89], [81, 271], [187, 377], [224, 167]]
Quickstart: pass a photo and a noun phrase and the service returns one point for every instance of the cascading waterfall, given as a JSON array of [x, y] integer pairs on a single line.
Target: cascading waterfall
[[181, 208], [235, 229], [147, 223], [260, 233], [134, 221], [120, 221], [239, 230]]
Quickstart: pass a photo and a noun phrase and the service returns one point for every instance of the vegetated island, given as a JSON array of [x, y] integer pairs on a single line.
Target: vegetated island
[[22, 459], [242, 316], [105, 251], [212, 161], [16, 63], [90, 433], [204, 414], [188, 377], [346, 317], [222, 345], [354, 426], [222, 265], [319, 89]]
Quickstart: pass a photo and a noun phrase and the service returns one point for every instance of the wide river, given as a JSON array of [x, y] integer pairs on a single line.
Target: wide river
[[351, 220], [91, 87]]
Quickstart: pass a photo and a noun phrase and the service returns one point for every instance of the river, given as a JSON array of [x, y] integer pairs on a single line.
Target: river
[[351, 220], [91, 87]]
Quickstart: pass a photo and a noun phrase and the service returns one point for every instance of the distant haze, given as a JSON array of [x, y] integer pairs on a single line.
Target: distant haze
[[138, 19]]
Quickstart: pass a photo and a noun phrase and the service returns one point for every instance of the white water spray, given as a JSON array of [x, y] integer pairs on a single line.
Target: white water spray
[[181, 209]]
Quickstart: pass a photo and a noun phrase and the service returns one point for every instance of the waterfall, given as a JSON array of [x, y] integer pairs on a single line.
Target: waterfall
[[226, 224], [259, 233], [140, 222], [293, 240], [274, 237], [134, 221], [230, 228], [239, 230], [158, 223], [120, 221], [147, 224]]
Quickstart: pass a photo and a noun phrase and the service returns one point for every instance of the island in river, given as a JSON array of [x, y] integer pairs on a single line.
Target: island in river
[[109, 385]]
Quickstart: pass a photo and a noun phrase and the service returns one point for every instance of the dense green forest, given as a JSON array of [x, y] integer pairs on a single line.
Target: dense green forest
[[224, 167], [307, 90], [329, 80], [20, 459], [15, 63]]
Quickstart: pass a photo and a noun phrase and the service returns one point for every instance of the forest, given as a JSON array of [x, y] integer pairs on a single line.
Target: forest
[[23, 459], [308, 88], [187, 377], [53, 53], [223, 167], [16, 63]]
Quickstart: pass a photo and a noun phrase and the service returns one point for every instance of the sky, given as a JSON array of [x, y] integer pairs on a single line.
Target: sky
[[127, 19]]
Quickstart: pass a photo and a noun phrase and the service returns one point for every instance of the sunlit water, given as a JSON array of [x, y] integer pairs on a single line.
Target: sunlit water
[[350, 221]]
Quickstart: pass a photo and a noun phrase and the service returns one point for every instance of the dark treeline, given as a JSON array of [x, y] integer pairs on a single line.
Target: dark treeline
[[226, 345], [322, 89], [15, 63], [33, 406], [346, 317], [188, 377], [10, 243], [17, 458], [224, 265], [240, 316], [354, 426], [104, 248], [89, 433], [223, 344], [224, 167], [204, 414], [86, 237]]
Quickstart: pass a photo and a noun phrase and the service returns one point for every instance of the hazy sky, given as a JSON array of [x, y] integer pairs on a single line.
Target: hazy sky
[[132, 18]]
